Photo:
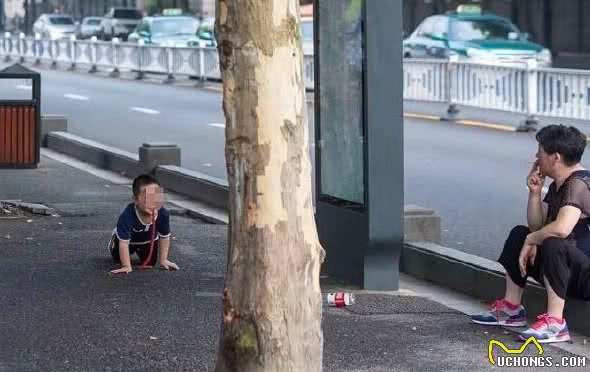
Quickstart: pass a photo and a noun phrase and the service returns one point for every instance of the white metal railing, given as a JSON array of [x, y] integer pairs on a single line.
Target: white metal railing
[[426, 80], [519, 88], [192, 61], [563, 93]]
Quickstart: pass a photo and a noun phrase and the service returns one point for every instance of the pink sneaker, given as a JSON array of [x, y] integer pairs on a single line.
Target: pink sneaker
[[502, 313], [547, 329]]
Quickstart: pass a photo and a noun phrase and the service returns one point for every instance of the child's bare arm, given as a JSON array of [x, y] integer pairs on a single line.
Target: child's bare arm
[[125, 259], [164, 248]]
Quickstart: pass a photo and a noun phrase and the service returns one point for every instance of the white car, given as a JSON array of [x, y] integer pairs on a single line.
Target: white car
[[90, 27], [55, 26], [119, 22]]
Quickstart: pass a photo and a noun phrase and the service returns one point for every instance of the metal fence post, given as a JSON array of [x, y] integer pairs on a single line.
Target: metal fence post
[[202, 77], [54, 52], [452, 109], [93, 54], [531, 123], [7, 46], [21, 43], [170, 63], [115, 73], [37, 48], [72, 46], [140, 55]]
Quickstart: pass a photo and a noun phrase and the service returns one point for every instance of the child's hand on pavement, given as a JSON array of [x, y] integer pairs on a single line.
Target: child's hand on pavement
[[168, 265], [123, 270]]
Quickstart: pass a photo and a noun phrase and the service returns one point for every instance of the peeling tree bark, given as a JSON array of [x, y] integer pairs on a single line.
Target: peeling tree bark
[[272, 298]]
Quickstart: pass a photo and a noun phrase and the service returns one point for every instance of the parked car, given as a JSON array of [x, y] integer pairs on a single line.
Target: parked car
[[119, 22], [476, 36], [89, 27], [55, 26], [178, 31]]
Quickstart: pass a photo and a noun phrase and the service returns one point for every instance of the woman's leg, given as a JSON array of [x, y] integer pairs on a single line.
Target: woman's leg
[[509, 259]]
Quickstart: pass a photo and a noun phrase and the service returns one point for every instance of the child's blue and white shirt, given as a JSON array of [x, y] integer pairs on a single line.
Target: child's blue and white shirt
[[130, 227]]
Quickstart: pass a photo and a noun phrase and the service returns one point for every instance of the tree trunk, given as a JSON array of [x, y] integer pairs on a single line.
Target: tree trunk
[[272, 302]]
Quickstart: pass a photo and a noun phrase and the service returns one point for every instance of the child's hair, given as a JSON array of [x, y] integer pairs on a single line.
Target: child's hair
[[141, 181]]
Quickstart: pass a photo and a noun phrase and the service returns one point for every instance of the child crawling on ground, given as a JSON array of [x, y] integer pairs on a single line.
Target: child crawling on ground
[[133, 233]]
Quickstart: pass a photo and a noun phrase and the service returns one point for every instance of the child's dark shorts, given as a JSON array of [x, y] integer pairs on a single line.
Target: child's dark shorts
[[142, 250]]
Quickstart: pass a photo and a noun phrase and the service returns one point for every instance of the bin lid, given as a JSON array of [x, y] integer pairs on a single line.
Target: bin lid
[[18, 69]]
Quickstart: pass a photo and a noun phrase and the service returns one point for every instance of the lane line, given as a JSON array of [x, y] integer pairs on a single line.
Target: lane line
[[76, 97], [145, 110], [216, 125]]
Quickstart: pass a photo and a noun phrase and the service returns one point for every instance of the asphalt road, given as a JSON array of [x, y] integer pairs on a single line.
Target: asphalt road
[[474, 178]]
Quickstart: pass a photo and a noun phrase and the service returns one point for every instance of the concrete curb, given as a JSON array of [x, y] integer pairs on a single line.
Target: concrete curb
[[208, 190], [481, 278], [52, 123], [92, 152], [201, 187]]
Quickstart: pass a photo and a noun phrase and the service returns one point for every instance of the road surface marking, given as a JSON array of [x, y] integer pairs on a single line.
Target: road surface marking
[[208, 165], [482, 124], [473, 123], [216, 125], [24, 87], [76, 97], [145, 110], [420, 116]]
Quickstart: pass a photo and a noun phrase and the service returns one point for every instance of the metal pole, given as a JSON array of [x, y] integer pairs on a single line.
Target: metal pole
[[531, 122], [27, 16], [2, 15], [33, 17], [384, 149], [548, 23], [452, 109]]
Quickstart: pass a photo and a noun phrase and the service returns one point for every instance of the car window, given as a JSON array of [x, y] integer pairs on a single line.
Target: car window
[[92, 22], [61, 21], [441, 25], [127, 14], [175, 26], [427, 27], [481, 29]]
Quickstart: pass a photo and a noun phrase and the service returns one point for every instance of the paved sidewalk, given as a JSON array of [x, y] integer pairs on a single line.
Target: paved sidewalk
[[60, 311]]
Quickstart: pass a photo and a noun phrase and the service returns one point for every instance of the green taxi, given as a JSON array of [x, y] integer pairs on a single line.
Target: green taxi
[[475, 36], [169, 29]]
